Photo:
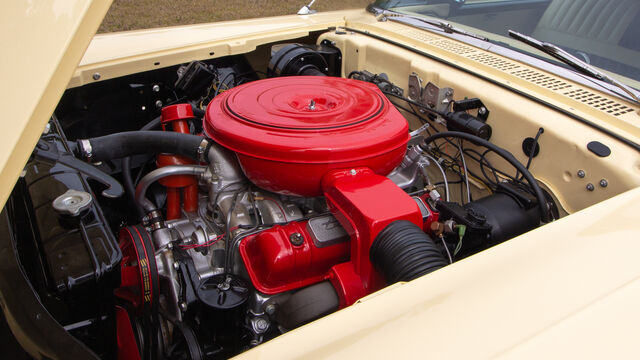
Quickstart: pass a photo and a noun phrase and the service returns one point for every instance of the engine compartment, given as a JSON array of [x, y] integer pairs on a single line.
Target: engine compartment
[[266, 201]]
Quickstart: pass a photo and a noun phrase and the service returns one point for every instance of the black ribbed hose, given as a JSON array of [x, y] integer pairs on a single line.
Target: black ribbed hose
[[403, 252]]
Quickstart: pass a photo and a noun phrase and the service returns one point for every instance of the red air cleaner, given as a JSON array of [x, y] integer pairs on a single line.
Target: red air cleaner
[[288, 132]]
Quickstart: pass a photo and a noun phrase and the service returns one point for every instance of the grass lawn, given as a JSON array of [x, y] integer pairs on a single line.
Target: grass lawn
[[141, 14]]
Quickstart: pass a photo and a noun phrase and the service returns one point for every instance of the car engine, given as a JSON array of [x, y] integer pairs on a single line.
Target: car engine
[[262, 203]]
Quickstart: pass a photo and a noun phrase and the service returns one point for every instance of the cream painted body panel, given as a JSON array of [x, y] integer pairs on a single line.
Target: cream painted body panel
[[42, 43], [569, 289], [117, 54], [513, 118]]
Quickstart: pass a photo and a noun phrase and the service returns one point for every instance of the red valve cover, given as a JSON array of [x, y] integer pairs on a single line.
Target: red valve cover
[[288, 132]]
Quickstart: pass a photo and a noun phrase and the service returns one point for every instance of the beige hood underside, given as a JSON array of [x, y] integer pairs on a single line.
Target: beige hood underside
[[42, 44]]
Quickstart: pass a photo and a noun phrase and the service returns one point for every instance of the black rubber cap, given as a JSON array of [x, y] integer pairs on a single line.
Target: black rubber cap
[[599, 148]]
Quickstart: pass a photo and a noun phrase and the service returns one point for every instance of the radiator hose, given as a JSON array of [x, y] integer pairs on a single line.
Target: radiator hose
[[403, 252], [130, 143]]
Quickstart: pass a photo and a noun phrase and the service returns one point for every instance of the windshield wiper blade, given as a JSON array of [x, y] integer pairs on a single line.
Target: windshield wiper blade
[[443, 25], [579, 65]]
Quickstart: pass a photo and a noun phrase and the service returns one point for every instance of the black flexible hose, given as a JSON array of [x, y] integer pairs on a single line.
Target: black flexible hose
[[119, 145], [126, 168], [544, 210], [403, 252]]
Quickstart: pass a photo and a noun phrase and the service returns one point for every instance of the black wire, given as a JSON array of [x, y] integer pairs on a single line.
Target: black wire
[[227, 233], [223, 81], [506, 155], [127, 178], [252, 199], [422, 106], [215, 200], [533, 150], [353, 73]]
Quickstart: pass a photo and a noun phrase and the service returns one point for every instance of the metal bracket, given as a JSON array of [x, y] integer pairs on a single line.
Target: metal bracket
[[431, 96], [472, 104], [47, 150]]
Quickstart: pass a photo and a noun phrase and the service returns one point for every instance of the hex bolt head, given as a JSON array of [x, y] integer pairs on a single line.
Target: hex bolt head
[[482, 110], [590, 187], [270, 309], [581, 174], [604, 183], [183, 306], [296, 239], [262, 325], [96, 76], [155, 88], [159, 104]]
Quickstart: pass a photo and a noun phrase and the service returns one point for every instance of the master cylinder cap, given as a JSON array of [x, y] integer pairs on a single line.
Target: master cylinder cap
[[288, 132]]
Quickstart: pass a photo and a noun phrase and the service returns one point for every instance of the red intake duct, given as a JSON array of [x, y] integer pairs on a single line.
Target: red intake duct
[[312, 136]]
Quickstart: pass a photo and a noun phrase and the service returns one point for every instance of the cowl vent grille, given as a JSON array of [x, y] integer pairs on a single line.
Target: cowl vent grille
[[494, 62], [556, 84], [454, 47], [599, 102], [541, 79]]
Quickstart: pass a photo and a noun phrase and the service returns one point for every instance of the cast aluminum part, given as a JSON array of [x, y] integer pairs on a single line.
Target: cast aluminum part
[[222, 179], [270, 210], [411, 169], [225, 170], [160, 173]]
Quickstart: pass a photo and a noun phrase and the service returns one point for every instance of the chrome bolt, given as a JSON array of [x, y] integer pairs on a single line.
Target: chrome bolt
[[270, 309], [590, 187], [183, 306], [296, 239], [159, 104], [604, 183], [96, 76], [176, 265], [581, 173], [156, 88], [482, 110], [353, 172], [262, 325]]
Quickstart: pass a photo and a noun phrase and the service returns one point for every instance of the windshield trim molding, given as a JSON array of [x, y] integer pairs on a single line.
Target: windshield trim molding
[[589, 123]]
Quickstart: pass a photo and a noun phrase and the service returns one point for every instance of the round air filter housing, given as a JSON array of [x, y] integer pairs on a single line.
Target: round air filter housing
[[288, 132]]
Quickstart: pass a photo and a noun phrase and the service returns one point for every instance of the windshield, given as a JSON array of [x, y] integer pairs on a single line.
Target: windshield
[[603, 33]]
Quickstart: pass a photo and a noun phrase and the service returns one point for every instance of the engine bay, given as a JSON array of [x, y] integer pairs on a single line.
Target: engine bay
[[199, 210]]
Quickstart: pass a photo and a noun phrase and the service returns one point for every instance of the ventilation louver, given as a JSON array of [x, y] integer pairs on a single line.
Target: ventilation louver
[[523, 72]]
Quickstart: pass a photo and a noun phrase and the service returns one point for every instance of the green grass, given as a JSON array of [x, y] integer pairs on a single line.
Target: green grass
[[142, 14]]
